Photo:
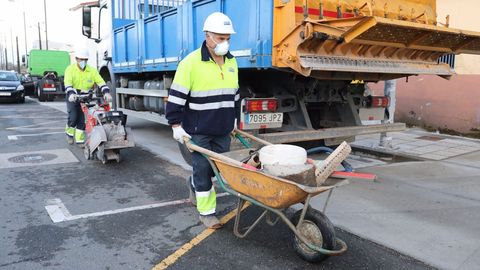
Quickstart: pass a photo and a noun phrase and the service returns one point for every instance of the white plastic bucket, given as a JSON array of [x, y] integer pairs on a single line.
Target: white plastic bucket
[[283, 154]]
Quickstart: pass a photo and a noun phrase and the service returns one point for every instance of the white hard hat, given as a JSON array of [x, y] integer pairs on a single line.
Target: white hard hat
[[81, 53], [218, 23]]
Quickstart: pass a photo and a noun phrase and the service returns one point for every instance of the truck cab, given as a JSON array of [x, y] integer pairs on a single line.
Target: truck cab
[[47, 68]]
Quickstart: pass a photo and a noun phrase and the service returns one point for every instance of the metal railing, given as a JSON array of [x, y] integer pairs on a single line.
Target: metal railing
[[448, 59], [138, 9]]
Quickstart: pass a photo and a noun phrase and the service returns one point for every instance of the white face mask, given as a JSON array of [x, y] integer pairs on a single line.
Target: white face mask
[[82, 64], [221, 48]]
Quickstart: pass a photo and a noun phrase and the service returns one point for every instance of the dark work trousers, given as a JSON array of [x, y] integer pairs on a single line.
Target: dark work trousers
[[76, 119], [202, 171]]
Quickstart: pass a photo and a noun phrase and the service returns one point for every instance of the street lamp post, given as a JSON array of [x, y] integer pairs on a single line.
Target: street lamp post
[[6, 58], [39, 37], [25, 32], [12, 48], [18, 56], [46, 34]]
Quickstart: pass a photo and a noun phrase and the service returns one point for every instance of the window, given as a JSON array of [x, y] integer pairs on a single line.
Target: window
[[8, 76]]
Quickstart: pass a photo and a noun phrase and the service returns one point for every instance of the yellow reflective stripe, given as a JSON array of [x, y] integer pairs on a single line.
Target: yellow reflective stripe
[[213, 92], [206, 201], [180, 88], [70, 131], [177, 100], [79, 136], [212, 105]]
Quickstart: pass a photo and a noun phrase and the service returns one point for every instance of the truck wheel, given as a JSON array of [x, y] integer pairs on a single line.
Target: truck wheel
[[41, 97], [318, 229]]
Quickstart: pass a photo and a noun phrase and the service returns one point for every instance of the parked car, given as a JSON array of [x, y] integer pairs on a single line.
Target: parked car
[[11, 87], [28, 84]]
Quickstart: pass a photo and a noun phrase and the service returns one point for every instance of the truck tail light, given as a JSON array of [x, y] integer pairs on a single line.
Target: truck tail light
[[377, 102], [261, 105]]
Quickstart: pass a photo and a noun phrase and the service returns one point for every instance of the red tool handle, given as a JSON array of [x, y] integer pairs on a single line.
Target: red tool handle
[[354, 175]]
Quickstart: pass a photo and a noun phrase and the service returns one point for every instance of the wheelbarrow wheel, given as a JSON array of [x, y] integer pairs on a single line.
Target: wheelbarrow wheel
[[318, 230]]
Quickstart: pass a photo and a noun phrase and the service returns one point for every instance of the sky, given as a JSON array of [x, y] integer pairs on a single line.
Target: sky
[[64, 26]]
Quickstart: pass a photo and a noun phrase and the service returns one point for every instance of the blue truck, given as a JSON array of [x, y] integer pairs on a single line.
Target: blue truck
[[304, 64]]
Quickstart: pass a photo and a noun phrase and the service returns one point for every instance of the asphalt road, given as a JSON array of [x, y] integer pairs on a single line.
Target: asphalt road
[[118, 220]]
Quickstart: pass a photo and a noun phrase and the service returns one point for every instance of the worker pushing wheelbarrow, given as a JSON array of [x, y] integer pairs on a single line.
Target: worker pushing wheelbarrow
[[242, 176]]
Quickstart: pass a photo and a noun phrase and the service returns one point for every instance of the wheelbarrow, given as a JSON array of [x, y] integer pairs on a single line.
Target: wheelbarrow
[[313, 236]]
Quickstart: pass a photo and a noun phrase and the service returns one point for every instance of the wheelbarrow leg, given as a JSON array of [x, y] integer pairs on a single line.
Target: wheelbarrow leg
[[328, 199], [236, 226], [306, 204], [270, 221]]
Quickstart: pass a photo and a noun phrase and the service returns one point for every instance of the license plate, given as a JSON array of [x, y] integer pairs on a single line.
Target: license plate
[[49, 89], [264, 118], [5, 94]]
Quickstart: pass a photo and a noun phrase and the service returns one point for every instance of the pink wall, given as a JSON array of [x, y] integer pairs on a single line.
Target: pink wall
[[435, 102]]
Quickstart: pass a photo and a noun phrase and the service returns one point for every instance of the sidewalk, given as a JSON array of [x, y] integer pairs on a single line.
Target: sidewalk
[[428, 209], [417, 143]]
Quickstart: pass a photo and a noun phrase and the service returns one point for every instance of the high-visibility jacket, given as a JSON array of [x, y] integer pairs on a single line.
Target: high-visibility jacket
[[204, 97], [82, 80]]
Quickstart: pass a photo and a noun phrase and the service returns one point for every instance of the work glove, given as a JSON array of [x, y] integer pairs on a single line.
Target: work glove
[[179, 133], [107, 97], [72, 97]]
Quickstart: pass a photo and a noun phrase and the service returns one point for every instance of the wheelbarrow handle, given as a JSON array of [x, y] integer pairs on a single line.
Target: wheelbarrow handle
[[193, 147], [250, 136]]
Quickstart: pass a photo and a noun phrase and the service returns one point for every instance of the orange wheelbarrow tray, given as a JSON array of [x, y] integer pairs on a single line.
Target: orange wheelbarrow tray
[[314, 236]]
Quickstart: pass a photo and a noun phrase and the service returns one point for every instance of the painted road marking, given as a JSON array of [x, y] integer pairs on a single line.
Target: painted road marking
[[30, 117], [59, 213], [36, 158], [36, 126], [172, 258], [15, 137]]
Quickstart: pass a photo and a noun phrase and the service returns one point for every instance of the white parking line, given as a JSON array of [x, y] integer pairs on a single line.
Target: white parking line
[[29, 117], [36, 126], [59, 213], [15, 137]]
